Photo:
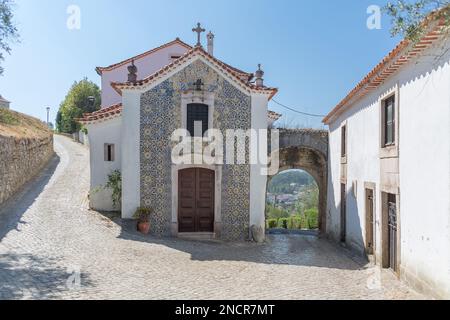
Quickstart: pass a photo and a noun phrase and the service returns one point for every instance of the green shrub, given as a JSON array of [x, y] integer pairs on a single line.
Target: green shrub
[[312, 218], [303, 222], [283, 223], [295, 223], [276, 213], [115, 184], [142, 214], [272, 223]]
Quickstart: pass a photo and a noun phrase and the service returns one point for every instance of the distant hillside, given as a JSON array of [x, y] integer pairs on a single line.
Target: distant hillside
[[15, 124], [281, 183]]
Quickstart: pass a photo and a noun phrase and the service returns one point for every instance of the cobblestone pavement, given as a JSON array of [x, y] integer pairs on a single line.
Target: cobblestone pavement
[[48, 237]]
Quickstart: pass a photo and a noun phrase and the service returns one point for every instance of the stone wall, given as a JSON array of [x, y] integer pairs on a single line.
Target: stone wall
[[21, 159]]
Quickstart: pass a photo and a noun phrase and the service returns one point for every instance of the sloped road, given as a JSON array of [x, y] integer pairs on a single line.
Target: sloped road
[[53, 247]]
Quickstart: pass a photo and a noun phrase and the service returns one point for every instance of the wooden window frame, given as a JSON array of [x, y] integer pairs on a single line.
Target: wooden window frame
[[385, 124], [390, 150], [344, 143]]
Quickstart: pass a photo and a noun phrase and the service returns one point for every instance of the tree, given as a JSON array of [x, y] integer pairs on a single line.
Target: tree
[[407, 16], [58, 121], [83, 97], [8, 32]]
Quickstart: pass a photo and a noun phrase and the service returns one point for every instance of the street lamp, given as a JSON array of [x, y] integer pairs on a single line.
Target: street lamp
[[48, 115]]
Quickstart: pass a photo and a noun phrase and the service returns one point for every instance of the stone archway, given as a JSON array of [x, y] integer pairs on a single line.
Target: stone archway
[[307, 149]]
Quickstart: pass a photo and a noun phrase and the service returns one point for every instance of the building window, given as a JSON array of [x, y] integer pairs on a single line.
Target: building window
[[109, 152], [197, 114], [174, 57], [389, 121], [344, 142]]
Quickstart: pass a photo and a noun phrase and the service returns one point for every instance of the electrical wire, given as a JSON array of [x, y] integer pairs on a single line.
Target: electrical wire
[[299, 112]]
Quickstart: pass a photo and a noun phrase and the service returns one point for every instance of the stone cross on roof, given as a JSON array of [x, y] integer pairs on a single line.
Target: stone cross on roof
[[199, 31]]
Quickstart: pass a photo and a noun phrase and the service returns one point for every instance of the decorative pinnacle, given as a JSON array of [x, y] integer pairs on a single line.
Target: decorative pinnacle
[[132, 72]]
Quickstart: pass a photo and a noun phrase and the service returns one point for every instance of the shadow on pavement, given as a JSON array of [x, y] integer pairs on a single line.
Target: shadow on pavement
[[25, 276], [11, 211], [302, 249]]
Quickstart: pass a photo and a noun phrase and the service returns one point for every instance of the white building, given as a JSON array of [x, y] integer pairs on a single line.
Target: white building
[[4, 104], [389, 163], [144, 100]]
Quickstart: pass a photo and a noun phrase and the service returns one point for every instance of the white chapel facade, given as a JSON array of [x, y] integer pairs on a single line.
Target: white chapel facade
[[144, 100]]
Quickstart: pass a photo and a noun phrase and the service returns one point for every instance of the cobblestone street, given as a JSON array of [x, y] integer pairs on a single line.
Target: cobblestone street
[[48, 237]]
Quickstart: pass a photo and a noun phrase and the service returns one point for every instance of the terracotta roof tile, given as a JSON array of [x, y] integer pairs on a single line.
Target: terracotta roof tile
[[116, 111], [398, 57], [197, 50], [274, 116], [127, 61], [100, 70], [102, 114]]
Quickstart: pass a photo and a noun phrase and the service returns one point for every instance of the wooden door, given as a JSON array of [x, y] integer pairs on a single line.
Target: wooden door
[[343, 212], [392, 233], [370, 223], [196, 200]]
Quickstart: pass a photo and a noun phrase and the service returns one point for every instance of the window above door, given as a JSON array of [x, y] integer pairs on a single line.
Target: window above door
[[197, 114], [197, 108]]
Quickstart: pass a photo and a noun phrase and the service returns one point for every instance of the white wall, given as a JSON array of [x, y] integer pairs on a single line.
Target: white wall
[[258, 182], [146, 67], [425, 171], [362, 166], [131, 161], [424, 167], [99, 134]]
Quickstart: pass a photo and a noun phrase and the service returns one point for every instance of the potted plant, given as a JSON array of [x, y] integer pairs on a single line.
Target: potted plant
[[142, 215]]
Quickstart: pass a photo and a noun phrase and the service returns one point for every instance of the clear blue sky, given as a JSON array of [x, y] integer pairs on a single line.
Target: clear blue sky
[[313, 51]]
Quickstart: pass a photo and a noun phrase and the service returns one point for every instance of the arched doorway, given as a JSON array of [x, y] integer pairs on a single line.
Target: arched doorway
[[314, 163], [292, 201]]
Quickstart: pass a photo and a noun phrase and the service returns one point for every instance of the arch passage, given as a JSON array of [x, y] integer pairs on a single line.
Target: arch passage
[[313, 162], [196, 200]]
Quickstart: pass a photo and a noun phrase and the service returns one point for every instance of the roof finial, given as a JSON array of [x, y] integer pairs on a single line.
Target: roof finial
[[199, 31], [259, 77], [132, 72], [210, 37]]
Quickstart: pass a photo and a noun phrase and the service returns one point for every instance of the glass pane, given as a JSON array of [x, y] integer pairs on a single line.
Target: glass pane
[[197, 113], [344, 141], [389, 109], [389, 121], [389, 133]]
